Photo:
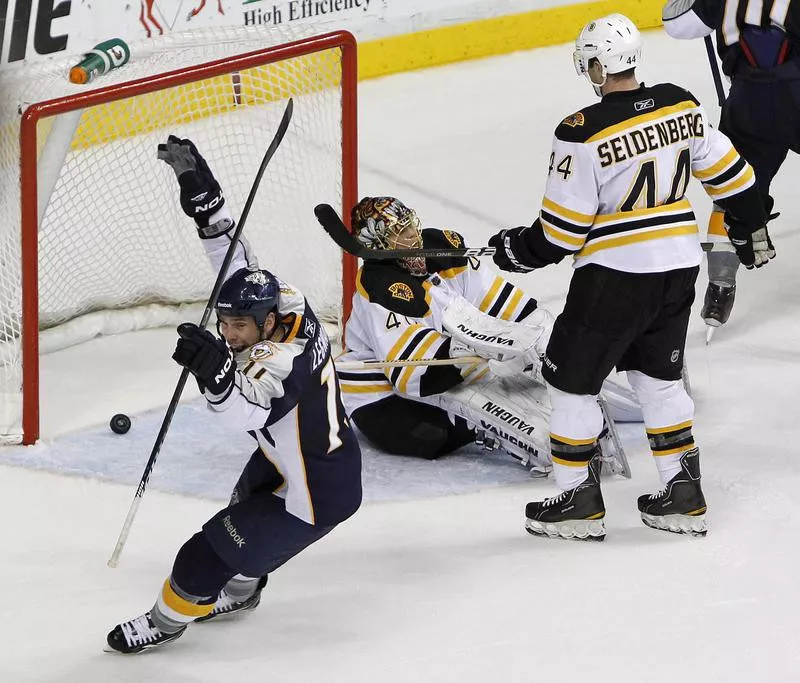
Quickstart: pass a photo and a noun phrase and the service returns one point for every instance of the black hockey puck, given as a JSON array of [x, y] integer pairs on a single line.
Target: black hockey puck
[[120, 424]]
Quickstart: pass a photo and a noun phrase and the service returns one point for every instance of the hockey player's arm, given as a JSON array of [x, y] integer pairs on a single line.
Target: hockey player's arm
[[202, 200], [688, 19], [568, 211]]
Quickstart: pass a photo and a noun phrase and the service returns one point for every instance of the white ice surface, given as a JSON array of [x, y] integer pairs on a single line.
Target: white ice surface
[[420, 585]]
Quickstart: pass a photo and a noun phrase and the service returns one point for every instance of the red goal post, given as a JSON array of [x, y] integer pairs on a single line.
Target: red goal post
[[227, 105]]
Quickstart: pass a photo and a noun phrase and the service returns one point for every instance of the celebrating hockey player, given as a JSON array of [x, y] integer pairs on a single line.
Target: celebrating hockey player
[[614, 200], [438, 311], [760, 50], [271, 375]]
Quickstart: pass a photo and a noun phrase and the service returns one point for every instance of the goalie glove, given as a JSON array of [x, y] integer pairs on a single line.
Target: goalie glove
[[201, 195]]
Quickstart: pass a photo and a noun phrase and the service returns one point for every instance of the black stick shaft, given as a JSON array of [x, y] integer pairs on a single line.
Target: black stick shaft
[[212, 300]]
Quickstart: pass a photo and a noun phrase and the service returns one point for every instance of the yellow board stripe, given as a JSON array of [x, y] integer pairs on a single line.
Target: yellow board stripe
[[182, 606], [673, 428], [564, 212], [717, 168], [491, 294], [572, 442], [642, 118], [637, 237], [512, 304]]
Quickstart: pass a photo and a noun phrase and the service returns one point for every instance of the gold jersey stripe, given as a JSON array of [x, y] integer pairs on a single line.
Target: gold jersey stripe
[[452, 272], [491, 294], [400, 343], [633, 238], [567, 214], [561, 236], [715, 169], [681, 206], [419, 353], [642, 118], [747, 178], [365, 388], [512, 304]]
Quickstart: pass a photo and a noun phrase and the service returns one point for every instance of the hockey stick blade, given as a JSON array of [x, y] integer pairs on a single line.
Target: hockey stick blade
[[333, 225], [212, 300]]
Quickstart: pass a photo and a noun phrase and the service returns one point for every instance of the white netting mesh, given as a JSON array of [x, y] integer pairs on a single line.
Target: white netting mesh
[[113, 236]]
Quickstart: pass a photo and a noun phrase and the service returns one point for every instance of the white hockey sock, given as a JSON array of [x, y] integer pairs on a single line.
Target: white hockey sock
[[668, 466], [568, 477]]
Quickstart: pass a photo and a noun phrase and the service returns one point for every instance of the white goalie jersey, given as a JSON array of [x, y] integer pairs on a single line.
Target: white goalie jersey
[[617, 177], [398, 316]]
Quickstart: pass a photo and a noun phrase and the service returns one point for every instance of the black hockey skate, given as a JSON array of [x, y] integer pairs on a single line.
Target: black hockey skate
[[138, 634], [576, 514], [225, 605], [717, 306], [680, 507]]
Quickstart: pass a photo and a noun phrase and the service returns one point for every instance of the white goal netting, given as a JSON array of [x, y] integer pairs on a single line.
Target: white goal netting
[[115, 251]]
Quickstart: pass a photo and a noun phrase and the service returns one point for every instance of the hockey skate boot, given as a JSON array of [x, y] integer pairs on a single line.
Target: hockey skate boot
[[576, 514], [680, 506], [226, 605], [138, 634], [717, 304]]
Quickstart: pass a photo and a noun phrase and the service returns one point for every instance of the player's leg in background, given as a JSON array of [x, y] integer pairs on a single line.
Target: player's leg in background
[[400, 426], [653, 363], [760, 119]]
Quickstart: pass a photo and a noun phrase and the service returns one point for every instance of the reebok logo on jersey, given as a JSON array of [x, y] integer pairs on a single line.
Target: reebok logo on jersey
[[641, 105], [491, 338], [238, 539]]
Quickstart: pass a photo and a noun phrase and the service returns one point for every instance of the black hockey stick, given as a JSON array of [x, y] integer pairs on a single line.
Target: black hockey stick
[[330, 221], [712, 62], [212, 300]]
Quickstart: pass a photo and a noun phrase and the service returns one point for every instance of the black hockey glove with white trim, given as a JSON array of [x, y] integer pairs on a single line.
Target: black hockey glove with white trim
[[507, 244], [209, 359], [754, 248], [201, 194]]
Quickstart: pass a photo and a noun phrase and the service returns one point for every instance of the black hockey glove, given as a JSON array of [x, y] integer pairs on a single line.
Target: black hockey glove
[[507, 244], [754, 249], [201, 195], [209, 359]]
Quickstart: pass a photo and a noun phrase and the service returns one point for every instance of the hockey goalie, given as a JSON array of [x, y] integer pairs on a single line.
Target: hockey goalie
[[476, 342]]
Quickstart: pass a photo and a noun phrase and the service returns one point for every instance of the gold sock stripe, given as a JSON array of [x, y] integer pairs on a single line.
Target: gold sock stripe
[[181, 605]]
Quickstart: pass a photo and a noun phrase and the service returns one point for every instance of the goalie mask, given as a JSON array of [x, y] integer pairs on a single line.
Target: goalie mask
[[614, 41], [249, 293], [387, 223]]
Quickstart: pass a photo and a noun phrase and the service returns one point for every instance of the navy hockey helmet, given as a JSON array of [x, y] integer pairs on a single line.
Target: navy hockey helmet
[[249, 292]]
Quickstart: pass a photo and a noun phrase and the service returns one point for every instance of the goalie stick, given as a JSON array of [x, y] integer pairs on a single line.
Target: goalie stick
[[333, 225], [212, 300], [380, 364]]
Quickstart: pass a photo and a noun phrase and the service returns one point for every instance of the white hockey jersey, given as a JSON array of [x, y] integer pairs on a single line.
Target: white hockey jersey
[[617, 177], [398, 316], [286, 395]]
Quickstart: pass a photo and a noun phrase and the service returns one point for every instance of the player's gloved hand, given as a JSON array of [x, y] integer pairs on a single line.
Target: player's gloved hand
[[506, 244], [754, 249], [201, 194], [209, 359]]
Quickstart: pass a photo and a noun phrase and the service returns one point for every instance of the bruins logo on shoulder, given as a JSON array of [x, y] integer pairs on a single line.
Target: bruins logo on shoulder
[[453, 237], [400, 290], [574, 120], [262, 351]]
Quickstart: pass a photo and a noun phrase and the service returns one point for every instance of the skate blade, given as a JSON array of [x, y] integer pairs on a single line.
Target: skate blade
[[573, 529], [688, 525], [710, 331]]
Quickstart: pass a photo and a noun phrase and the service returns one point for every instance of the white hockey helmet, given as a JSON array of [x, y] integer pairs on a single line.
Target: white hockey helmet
[[614, 41]]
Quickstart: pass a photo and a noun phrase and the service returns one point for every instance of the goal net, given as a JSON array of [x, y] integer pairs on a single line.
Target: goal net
[[92, 237]]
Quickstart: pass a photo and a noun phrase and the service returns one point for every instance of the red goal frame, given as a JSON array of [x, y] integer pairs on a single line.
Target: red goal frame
[[342, 40]]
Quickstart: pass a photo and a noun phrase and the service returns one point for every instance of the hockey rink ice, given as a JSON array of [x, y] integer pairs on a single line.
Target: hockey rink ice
[[434, 579]]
